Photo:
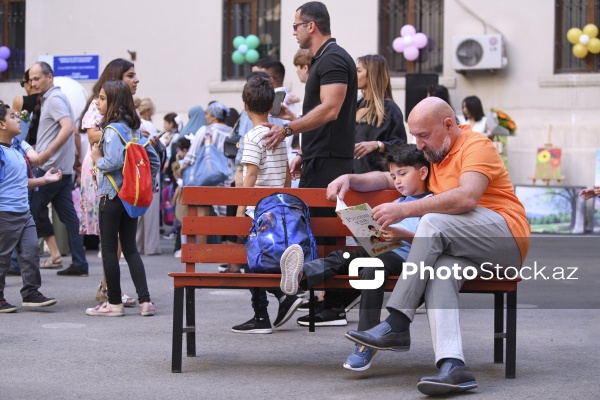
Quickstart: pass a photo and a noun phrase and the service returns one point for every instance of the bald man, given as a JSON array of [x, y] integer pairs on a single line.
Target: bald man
[[474, 218]]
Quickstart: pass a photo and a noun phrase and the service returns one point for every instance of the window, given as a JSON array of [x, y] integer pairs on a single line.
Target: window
[[12, 35], [244, 17], [426, 16], [570, 14]]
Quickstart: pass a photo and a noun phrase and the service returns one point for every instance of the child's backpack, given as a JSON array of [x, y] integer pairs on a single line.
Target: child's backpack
[[167, 205], [280, 220], [136, 191]]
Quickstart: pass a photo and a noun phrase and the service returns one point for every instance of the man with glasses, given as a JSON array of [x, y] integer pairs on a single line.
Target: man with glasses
[[327, 124]]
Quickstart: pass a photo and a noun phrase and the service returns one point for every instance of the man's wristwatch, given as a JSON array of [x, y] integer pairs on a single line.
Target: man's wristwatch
[[287, 131]]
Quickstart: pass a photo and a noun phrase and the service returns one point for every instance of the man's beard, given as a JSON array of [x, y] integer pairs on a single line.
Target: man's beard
[[436, 156]]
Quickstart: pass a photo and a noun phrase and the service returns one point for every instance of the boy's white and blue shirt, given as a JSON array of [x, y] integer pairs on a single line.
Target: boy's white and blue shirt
[[410, 224]]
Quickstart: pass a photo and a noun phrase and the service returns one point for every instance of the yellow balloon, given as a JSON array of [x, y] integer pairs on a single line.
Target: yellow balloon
[[573, 35], [591, 30], [594, 46], [580, 51]]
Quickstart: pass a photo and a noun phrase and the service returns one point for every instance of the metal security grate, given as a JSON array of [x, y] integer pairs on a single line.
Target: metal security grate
[[427, 16], [244, 17], [12, 35]]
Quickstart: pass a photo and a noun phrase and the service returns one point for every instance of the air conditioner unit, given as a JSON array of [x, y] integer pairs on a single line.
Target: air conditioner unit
[[478, 52]]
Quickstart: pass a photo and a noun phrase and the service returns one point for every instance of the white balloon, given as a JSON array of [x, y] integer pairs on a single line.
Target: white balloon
[[408, 40], [75, 92], [584, 39]]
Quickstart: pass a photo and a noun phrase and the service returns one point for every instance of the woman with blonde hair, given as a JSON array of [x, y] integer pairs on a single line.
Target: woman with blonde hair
[[379, 121]]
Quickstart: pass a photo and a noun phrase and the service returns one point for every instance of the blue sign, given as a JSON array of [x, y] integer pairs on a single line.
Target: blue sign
[[80, 68]]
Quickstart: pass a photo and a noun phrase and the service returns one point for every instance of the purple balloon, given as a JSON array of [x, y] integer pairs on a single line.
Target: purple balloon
[[4, 52], [3, 65], [420, 40], [408, 30], [411, 53], [398, 44]]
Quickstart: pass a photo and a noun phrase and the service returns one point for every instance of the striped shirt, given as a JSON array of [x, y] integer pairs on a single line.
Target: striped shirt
[[271, 164]]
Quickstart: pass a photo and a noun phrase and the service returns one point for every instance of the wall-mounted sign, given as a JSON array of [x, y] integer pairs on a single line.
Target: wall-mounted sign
[[79, 67]]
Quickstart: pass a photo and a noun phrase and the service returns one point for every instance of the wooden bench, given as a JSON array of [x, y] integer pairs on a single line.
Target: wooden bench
[[185, 283]]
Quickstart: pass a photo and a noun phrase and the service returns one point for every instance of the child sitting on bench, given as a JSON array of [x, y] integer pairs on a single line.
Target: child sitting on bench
[[409, 169]]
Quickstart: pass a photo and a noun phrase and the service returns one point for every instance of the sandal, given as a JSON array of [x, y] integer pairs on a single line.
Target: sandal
[[52, 263], [101, 294], [128, 301]]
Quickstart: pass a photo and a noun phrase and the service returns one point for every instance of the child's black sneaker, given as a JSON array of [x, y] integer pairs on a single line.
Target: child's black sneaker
[[287, 309], [6, 307], [326, 317], [38, 300], [254, 325]]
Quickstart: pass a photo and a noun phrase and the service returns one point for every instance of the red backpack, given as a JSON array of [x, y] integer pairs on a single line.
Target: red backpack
[[136, 191]]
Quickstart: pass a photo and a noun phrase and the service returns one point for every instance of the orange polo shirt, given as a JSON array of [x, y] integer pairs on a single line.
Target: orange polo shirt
[[474, 152]]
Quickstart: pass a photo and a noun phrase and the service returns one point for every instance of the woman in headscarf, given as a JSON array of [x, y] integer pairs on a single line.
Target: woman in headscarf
[[197, 120]]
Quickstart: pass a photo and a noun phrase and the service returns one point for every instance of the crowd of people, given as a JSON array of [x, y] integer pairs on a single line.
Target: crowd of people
[[456, 203]]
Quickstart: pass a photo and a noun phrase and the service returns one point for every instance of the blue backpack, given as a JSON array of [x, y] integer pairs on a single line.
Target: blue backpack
[[280, 220]]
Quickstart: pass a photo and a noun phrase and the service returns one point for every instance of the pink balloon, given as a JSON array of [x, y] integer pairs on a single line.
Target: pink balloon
[[398, 45], [411, 53], [3, 65], [408, 30], [420, 40]]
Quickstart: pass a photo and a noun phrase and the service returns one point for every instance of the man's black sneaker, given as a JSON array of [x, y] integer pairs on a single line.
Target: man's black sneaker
[[326, 317], [6, 307], [72, 271], [305, 306], [38, 300], [287, 309], [254, 325]]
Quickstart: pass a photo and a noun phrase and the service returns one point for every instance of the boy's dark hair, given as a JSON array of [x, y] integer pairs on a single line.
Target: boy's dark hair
[[276, 70], [404, 155], [183, 143], [120, 104], [261, 62], [260, 74], [258, 94], [3, 110], [316, 12]]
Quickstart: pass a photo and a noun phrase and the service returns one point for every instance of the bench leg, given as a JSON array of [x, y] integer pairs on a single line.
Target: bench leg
[[499, 327], [190, 321], [311, 310], [511, 334], [177, 330]]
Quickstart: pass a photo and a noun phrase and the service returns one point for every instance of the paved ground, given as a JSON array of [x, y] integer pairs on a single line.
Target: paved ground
[[60, 353]]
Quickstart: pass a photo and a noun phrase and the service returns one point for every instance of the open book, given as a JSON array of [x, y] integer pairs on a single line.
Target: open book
[[364, 228]]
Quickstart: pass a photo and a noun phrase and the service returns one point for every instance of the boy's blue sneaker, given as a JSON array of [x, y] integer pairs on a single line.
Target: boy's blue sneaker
[[360, 359]]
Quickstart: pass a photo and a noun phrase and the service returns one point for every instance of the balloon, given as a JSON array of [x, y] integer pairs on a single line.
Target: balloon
[[237, 58], [243, 48], [594, 46], [3, 65], [408, 40], [580, 51], [4, 52], [584, 39], [252, 41], [573, 35], [591, 30], [237, 41], [408, 30], [75, 92], [252, 56], [420, 40], [411, 53], [398, 45]]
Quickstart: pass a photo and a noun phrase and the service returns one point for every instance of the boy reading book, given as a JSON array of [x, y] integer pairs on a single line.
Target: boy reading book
[[263, 168], [409, 170]]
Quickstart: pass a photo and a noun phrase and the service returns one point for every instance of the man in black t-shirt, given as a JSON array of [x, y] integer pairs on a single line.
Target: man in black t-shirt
[[329, 110], [328, 124]]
